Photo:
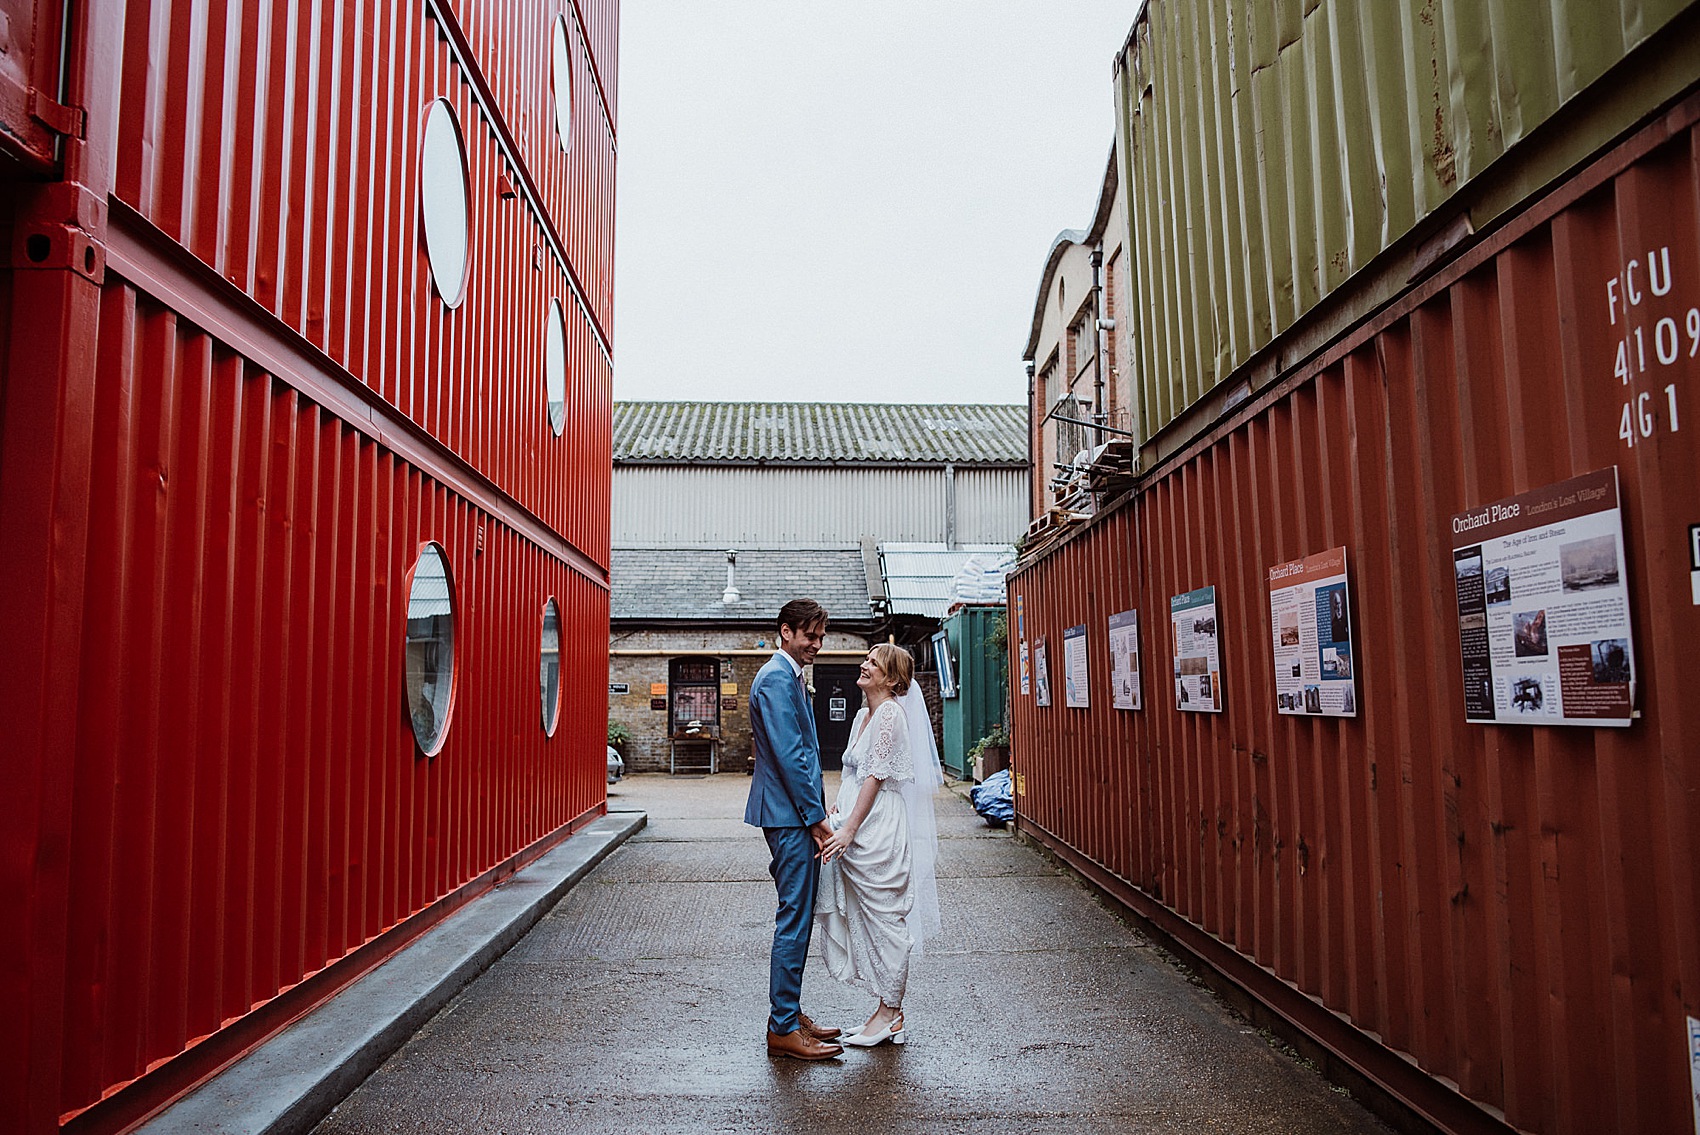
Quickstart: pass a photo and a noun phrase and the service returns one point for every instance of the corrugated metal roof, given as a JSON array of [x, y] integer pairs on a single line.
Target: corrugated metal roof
[[917, 575], [820, 432], [671, 584]]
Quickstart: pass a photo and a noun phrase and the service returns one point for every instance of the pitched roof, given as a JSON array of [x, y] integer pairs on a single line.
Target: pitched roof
[[685, 584], [819, 433]]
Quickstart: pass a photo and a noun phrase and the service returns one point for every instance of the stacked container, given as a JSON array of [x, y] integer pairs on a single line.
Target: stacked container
[[304, 482]]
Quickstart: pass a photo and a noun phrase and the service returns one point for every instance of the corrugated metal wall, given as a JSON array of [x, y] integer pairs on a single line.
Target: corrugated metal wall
[[249, 802], [1272, 150], [298, 129], [1516, 909], [247, 411], [978, 703], [673, 505]]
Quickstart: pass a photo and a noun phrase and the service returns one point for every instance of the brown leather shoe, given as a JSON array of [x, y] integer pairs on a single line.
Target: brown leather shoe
[[819, 1032], [799, 1045]]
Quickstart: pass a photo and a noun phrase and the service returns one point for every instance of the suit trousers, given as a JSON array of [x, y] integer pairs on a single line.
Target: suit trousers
[[796, 875]]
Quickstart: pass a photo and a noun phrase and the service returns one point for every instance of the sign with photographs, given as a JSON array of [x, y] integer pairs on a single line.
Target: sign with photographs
[[1310, 627], [1694, 582], [1021, 638], [1075, 677], [1041, 675], [1694, 1067], [1543, 607], [1198, 662], [1124, 660]]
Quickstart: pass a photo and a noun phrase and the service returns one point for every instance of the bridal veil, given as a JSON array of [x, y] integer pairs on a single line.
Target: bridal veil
[[923, 823]]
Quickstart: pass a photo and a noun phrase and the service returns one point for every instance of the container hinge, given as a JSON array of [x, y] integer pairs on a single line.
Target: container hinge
[[60, 226], [67, 121]]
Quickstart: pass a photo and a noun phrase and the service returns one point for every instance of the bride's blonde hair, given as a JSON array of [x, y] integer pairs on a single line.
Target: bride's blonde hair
[[895, 663]]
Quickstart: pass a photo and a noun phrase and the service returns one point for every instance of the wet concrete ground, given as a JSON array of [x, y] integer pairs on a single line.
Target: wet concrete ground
[[639, 1005]]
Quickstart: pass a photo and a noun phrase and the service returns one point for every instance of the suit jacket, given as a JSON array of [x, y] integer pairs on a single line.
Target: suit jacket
[[785, 788]]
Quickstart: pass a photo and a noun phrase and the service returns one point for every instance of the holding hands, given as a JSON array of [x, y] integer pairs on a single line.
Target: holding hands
[[838, 841]]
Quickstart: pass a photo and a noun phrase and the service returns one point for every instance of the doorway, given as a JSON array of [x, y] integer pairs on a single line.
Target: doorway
[[837, 698]]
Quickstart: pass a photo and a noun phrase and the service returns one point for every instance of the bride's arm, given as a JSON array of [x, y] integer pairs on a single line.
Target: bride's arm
[[888, 739], [846, 833]]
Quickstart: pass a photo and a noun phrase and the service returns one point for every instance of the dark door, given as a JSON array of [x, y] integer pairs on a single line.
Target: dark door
[[837, 698]]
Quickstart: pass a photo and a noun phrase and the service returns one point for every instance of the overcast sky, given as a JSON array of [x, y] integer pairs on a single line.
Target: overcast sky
[[849, 201]]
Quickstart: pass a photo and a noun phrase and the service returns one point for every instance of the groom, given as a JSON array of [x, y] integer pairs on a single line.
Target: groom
[[786, 802]]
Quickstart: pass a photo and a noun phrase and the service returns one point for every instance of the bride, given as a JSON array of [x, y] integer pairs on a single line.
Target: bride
[[878, 898]]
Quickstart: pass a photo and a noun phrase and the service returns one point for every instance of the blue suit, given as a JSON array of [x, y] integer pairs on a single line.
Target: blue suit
[[785, 800]]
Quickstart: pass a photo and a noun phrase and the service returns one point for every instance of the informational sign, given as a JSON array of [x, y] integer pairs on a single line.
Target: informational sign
[[1075, 676], [1198, 662], [1041, 675], [658, 703], [729, 689], [1311, 630], [1026, 673], [1694, 561], [658, 689], [619, 688], [1694, 1067], [1020, 617], [1543, 607], [1124, 660], [836, 708], [728, 704]]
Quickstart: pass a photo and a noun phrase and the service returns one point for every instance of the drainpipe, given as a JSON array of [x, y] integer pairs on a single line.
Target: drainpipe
[[950, 507], [1032, 432], [1098, 414], [730, 595]]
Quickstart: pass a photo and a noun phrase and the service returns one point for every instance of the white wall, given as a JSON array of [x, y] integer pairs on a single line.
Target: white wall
[[728, 506]]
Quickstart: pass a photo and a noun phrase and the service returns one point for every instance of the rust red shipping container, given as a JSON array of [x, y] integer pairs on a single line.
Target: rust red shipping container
[[1514, 909]]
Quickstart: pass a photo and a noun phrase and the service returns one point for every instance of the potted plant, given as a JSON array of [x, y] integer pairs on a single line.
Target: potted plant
[[990, 753]]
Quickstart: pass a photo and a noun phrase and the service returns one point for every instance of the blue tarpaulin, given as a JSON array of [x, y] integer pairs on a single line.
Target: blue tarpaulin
[[995, 799]]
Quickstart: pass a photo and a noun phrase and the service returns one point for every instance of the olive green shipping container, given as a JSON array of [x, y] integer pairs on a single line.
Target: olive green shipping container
[[1273, 152]]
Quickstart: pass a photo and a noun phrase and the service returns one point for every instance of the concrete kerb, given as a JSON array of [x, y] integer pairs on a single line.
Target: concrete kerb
[[292, 1081]]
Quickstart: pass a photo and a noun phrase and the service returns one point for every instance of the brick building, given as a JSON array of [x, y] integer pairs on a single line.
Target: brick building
[[803, 495], [1077, 345]]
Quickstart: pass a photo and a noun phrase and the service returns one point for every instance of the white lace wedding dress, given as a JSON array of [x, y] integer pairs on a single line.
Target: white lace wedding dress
[[865, 894]]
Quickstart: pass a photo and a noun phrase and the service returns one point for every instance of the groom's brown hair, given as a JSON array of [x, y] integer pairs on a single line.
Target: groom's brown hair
[[800, 614]]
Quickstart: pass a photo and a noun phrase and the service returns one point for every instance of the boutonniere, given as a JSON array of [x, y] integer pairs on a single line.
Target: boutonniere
[[809, 686]]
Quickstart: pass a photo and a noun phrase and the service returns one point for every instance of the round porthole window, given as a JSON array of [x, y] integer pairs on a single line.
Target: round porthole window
[[555, 367], [563, 83], [551, 667], [430, 648], [443, 201]]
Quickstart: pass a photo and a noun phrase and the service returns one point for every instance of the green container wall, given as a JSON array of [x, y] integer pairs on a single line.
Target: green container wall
[[1271, 151], [982, 684]]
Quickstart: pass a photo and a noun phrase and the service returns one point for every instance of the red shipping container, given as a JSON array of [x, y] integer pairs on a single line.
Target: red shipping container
[[1499, 924], [236, 411]]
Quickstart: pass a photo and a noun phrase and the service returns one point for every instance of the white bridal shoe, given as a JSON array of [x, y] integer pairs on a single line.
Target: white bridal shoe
[[893, 1031]]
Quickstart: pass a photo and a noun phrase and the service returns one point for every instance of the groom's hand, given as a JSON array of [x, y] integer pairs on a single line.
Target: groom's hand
[[820, 833]]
